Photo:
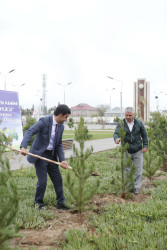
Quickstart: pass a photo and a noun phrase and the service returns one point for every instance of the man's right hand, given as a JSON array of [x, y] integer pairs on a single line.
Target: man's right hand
[[117, 141], [24, 151]]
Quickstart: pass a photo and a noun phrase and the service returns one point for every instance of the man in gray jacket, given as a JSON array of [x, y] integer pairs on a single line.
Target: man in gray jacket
[[48, 144], [136, 137]]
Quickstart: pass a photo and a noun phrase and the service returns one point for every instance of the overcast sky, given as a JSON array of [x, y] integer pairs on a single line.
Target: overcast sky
[[83, 42]]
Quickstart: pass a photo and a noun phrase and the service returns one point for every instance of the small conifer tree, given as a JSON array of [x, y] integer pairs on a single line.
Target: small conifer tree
[[117, 119], [159, 126], [152, 161], [8, 196], [77, 181], [127, 174]]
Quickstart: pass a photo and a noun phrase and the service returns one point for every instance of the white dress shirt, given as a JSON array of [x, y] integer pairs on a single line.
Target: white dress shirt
[[130, 125], [50, 146]]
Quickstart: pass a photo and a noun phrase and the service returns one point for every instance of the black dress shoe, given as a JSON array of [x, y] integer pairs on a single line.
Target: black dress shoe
[[40, 206], [63, 207]]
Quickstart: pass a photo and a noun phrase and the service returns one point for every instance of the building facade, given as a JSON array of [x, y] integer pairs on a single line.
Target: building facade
[[113, 113], [83, 110]]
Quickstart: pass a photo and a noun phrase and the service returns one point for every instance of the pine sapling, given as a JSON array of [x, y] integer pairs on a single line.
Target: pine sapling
[[159, 126], [127, 166], [8, 197], [77, 182], [152, 161]]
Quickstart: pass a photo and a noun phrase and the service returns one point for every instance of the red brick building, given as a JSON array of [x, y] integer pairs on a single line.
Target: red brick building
[[84, 110]]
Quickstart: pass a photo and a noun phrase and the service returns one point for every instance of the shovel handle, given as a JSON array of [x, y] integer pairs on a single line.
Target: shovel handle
[[37, 156]]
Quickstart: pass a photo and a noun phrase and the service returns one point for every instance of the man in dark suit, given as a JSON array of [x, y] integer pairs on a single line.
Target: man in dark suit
[[47, 145]]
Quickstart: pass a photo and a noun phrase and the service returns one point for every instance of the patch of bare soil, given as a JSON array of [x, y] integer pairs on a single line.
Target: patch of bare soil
[[164, 168], [52, 237]]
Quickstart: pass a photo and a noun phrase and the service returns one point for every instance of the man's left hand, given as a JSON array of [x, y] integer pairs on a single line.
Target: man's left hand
[[144, 150], [64, 164]]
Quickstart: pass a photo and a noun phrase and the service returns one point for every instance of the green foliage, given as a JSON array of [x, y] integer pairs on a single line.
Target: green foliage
[[152, 161], [51, 110], [96, 134], [117, 119], [159, 125], [8, 196], [29, 122], [118, 226], [127, 166], [27, 112], [77, 182], [101, 109], [82, 134], [71, 122], [4, 140], [124, 226]]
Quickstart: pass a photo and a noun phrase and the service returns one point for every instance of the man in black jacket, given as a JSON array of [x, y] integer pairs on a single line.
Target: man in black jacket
[[136, 137]]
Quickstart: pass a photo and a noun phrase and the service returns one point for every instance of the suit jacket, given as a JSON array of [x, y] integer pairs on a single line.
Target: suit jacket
[[43, 129]]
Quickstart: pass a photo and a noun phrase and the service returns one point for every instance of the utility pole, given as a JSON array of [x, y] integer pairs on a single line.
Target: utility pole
[[44, 108]]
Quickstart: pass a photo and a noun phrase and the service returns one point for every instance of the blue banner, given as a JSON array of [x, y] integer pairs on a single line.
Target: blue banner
[[10, 116]]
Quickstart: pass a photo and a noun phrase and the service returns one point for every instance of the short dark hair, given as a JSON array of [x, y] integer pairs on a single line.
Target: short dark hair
[[62, 109]]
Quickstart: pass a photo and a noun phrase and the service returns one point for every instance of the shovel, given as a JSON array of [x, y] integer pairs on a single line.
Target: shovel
[[37, 156]]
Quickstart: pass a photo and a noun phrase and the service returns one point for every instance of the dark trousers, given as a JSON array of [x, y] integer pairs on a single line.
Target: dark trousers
[[42, 168]]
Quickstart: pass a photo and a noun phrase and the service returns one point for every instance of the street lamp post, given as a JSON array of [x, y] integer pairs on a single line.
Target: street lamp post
[[120, 91], [6, 76], [64, 86], [109, 90], [156, 97], [40, 111], [18, 86]]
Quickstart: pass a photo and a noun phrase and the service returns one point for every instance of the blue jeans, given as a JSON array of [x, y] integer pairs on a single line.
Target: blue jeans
[[42, 168]]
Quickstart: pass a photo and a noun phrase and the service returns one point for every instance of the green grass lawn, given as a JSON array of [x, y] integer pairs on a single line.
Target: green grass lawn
[[96, 134], [125, 225]]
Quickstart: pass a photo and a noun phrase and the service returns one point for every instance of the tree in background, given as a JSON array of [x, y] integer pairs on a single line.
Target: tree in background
[[29, 122], [77, 181], [159, 125], [152, 161], [117, 119], [8, 196], [27, 112], [102, 108], [51, 110], [71, 122]]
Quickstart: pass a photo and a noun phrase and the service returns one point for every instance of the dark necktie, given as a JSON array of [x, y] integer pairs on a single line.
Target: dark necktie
[[55, 138]]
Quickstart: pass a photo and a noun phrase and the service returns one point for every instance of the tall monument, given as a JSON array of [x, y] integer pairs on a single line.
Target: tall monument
[[141, 100]]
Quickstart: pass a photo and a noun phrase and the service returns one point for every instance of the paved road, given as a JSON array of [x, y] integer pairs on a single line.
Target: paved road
[[17, 161]]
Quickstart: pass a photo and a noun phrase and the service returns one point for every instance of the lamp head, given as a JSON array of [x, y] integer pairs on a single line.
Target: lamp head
[[11, 70], [110, 77]]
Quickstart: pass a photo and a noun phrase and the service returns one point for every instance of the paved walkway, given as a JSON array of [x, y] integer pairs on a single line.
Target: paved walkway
[[98, 145], [18, 161]]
